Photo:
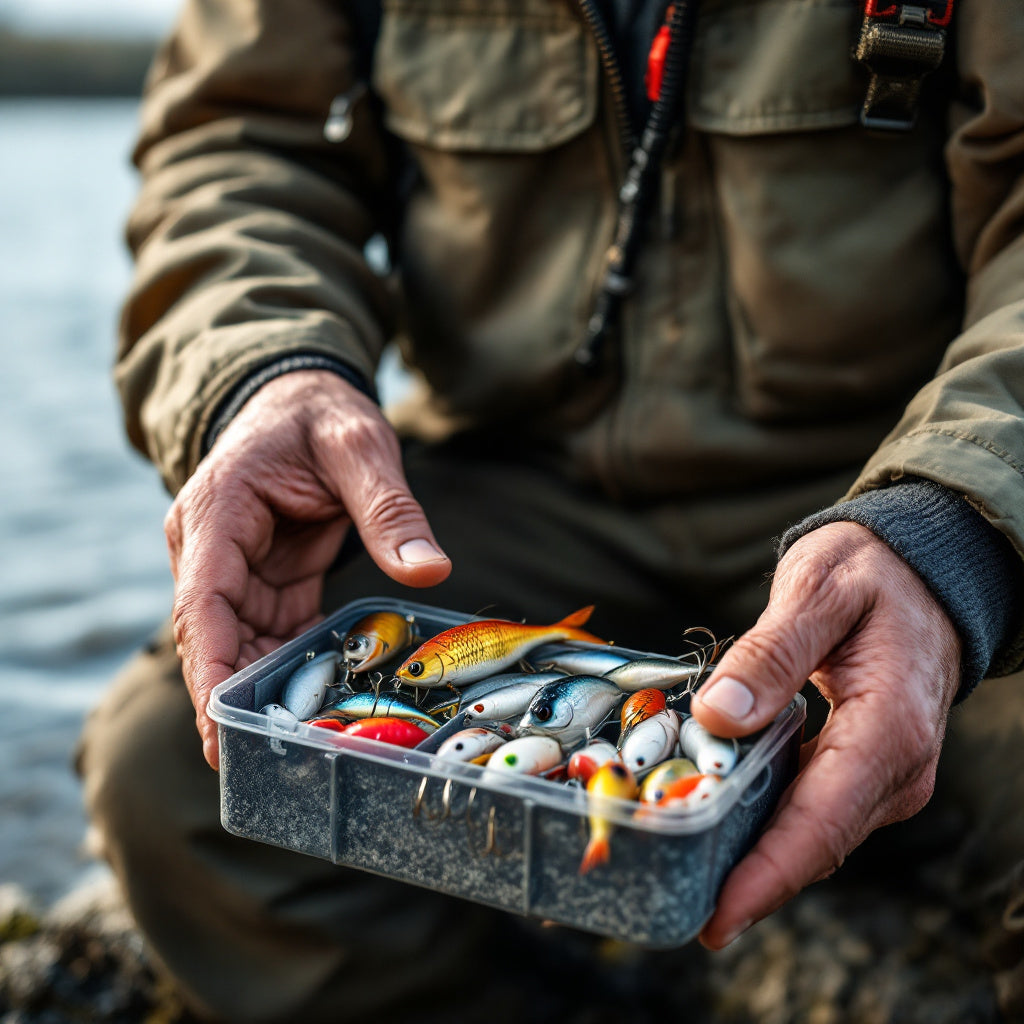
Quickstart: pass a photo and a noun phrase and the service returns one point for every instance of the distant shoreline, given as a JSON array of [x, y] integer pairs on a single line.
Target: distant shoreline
[[65, 66]]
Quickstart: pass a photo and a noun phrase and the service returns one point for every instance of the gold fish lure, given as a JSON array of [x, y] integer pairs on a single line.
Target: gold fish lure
[[466, 653], [375, 638]]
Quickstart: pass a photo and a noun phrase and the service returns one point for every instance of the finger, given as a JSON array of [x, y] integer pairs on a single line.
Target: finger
[[208, 655], [211, 587], [364, 462], [808, 614]]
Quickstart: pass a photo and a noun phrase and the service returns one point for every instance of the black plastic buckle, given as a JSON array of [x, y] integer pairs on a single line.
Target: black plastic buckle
[[900, 45]]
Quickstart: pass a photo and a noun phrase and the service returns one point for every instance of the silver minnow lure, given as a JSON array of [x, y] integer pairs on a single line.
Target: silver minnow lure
[[306, 688], [653, 673], [473, 693], [650, 742], [711, 754], [508, 702], [582, 660], [570, 709], [387, 705]]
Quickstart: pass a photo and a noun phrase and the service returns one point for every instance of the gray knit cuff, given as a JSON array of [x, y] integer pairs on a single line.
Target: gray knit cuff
[[232, 405], [967, 564]]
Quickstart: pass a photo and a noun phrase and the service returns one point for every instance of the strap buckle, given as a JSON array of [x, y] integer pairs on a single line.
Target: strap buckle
[[900, 45]]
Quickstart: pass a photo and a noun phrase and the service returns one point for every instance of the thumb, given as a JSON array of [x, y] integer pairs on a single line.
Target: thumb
[[392, 525], [807, 616]]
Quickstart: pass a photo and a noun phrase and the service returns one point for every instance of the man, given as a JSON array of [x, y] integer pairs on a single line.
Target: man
[[625, 395]]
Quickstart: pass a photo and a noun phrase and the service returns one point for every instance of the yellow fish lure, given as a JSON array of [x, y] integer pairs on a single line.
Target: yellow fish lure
[[611, 779], [466, 653]]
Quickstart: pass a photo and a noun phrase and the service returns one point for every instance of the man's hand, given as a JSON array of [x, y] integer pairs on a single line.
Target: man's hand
[[851, 615], [254, 530]]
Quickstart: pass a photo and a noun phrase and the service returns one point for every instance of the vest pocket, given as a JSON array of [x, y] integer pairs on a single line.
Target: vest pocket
[[513, 76]]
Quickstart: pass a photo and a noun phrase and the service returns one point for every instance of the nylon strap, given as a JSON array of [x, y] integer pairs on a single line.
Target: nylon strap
[[900, 44]]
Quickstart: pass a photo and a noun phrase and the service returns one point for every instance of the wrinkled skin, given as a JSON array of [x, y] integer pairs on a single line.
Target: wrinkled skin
[[256, 527], [851, 615], [252, 533]]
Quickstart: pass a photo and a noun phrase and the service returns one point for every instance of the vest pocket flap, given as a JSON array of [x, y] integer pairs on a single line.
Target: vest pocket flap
[[512, 76], [777, 66]]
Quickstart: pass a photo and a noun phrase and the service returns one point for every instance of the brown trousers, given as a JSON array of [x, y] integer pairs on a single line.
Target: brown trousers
[[254, 933]]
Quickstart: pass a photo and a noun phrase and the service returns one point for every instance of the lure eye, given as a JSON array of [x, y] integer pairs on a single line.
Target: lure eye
[[511, 760], [414, 668], [641, 761], [542, 712], [460, 746], [352, 644], [478, 708]]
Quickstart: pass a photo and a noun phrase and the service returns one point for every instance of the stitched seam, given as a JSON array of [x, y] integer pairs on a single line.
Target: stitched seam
[[980, 442]]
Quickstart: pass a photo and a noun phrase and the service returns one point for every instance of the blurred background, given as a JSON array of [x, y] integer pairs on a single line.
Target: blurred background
[[84, 574]]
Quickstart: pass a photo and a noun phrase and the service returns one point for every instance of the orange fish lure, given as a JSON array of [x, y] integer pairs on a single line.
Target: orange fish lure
[[641, 705], [466, 653]]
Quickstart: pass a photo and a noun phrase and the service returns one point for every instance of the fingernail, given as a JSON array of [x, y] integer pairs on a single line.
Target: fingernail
[[736, 933], [416, 552], [728, 697]]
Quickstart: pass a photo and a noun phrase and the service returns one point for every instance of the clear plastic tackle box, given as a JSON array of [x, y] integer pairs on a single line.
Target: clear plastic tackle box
[[509, 841]]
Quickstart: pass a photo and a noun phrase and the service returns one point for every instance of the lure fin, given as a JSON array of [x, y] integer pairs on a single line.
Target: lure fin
[[577, 618]]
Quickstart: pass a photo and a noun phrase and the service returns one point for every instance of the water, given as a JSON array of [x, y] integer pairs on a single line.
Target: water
[[84, 575]]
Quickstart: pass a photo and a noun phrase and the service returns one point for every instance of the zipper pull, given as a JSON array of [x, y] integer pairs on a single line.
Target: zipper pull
[[338, 125], [656, 59]]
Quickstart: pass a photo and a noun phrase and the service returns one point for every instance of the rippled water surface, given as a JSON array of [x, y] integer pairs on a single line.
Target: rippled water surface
[[84, 575]]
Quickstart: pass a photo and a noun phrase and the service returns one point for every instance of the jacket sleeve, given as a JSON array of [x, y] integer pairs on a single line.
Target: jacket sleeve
[[249, 228], [965, 428]]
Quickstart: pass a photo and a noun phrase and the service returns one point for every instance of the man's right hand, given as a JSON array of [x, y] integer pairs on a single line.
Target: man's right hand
[[252, 533]]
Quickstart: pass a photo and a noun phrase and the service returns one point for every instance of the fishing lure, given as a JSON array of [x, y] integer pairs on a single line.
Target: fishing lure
[[688, 792], [375, 638], [306, 688], [657, 782], [466, 653], [656, 673], [613, 779], [397, 731], [280, 715], [709, 752], [651, 741], [371, 705], [471, 744], [641, 705], [585, 761], [571, 708], [508, 702], [527, 755], [578, 661]]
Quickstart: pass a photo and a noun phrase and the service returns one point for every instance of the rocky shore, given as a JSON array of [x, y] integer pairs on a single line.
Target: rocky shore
[[833, 956]]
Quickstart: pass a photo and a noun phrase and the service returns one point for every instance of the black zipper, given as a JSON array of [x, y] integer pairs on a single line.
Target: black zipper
[[635, 194], [613, 73]]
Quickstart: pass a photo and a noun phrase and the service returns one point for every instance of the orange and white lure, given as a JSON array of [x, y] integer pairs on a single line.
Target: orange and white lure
[[466, 653]]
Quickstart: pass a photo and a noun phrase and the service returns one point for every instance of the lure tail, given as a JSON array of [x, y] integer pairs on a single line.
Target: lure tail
[[597, 852]]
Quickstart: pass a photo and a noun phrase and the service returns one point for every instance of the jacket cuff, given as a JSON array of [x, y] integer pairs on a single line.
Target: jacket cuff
[[967, 564], [241, 394]]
